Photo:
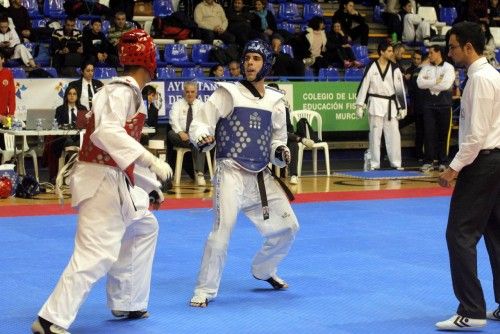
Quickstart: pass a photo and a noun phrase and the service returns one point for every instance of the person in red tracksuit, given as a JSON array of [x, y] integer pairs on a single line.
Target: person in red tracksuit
[[7, 94]]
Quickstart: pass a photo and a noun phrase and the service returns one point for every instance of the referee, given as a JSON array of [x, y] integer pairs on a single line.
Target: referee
[[475, 203]]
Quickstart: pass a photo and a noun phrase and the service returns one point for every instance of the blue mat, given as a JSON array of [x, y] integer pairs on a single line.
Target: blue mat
[[382, 174], [356, 267]]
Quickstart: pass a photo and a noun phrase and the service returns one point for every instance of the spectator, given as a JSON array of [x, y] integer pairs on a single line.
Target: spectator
[[181, 115], [234, 69], [119, 27], [489, 47], [150, 97], [477, 11], [238, 19], [97, 47], [124, 6], [494, 13], [414, 27], [416, 98], [216, 71], [437, 79], [7, 93], [392, 19], [284, 64], [212, 22], [339, 50], [19, 15], [67, 48], [399, 52], [347, 15], [11, 45], [66, 116], [263, 21], [86, 86], [311, 45]]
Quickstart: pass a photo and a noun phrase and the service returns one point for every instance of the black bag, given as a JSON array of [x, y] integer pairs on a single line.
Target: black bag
[[39, 73], [27, 187], [225, 55], [305, 130]]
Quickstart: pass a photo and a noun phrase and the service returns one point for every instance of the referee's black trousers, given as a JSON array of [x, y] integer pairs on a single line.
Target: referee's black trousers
[[475, 212]]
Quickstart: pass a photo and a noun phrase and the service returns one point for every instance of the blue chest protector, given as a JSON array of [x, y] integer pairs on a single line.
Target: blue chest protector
[[245, 136]]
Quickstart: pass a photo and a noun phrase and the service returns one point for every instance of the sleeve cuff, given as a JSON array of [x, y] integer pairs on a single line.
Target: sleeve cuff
[[456, 165]]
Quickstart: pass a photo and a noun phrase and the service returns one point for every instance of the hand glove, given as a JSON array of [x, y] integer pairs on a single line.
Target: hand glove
[[204, 141], [283, 153], [307, 142], [359, 112], [155, 199], [401, 114], [157, 166]]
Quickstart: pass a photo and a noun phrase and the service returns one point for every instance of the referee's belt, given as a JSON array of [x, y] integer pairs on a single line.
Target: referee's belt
[[489, 151], [387, 97]]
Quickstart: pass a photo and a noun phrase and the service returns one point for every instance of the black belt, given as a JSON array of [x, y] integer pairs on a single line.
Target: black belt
[[263, 195], [390, 98], [490, 151]]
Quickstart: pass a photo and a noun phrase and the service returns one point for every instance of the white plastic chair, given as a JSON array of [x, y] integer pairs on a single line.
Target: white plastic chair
[[310, 115], [8, 154], [428, 13], [180, 158]]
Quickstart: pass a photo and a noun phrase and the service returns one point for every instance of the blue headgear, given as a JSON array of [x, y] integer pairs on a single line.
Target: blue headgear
[[264, 49]]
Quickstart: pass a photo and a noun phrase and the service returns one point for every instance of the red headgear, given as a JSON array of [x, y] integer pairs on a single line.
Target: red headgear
[[5, 187], [136, 47]]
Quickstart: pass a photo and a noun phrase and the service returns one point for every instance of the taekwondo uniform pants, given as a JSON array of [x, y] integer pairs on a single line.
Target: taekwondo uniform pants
[[410, 34], [235, 190], [390, 128], [110, 239]]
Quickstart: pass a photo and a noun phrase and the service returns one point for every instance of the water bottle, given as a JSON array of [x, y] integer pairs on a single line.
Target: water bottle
[[55, 126], [39, 124], [367, 164]]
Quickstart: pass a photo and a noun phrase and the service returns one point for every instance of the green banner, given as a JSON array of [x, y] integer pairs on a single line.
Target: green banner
[[335, 101]]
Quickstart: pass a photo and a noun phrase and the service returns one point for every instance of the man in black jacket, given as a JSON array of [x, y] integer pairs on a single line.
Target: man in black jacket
[[97, 48]]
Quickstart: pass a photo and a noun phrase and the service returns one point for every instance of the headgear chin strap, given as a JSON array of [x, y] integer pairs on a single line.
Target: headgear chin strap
[[264, 49]]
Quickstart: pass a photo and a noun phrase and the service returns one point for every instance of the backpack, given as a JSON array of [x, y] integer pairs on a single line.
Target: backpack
[[304, 129], [224, 55]]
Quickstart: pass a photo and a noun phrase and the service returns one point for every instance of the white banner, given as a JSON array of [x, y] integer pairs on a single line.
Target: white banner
[[49, 93]]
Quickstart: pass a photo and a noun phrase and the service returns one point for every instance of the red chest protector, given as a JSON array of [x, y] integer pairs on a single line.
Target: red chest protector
[[91, 153]]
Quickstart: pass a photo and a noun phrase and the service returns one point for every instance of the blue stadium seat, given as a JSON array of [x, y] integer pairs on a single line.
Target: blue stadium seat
[[105, 26], [286, 48], [159, 62], [329, 74], [105, 72], [79, 24], [290, 27], [163, 8], [39, 23], [31, 47], [353, 74], [311, 10], [308, 74], [54, 9], [277, 1], [377, 14], [18, 73], [176, 54], [448, 15], [52, 71], [270, 8], [361, 54], [166, 73], [289, 12], [497, 55], [302, 1], [193, 72], [32, 7], [200, 54]]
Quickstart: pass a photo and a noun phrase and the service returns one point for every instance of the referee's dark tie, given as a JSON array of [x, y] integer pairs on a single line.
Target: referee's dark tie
[[90, 95], [189, 117], [73, 116]]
